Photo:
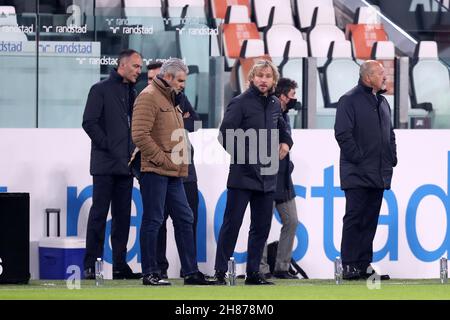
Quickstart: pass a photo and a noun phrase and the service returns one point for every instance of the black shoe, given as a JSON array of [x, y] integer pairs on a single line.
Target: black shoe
[[366, 275], [284, 275], [268, 275], [219, 278], [125, 273], [351, 273], [89, 274], [154, 279], [198, 279], [164, 275], [255, 278]]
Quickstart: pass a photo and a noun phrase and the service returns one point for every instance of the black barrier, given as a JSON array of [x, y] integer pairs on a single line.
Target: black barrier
[[14, 238]]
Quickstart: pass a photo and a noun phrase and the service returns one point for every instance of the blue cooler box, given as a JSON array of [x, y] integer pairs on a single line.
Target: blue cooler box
[[56, 254]]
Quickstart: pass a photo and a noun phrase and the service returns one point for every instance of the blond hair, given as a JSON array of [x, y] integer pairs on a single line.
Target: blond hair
[[262, 64]]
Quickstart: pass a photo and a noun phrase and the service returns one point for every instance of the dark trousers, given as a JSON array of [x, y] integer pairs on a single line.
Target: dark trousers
[[261, 205], [160, 192], [191, 190], [362, 210], [114, 190]]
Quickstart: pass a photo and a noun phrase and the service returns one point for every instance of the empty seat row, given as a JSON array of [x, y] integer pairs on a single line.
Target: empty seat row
[[430, 82]]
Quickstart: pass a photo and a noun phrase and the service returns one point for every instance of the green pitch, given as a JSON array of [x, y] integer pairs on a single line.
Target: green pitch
[[284, 290]]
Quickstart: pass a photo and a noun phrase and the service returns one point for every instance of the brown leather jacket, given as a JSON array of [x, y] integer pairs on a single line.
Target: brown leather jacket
[[155, 121]]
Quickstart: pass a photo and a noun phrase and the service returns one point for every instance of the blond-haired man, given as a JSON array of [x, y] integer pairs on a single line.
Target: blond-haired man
[[254, 133]]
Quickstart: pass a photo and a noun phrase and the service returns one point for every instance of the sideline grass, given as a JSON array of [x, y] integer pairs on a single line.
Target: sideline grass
[[283, 290]]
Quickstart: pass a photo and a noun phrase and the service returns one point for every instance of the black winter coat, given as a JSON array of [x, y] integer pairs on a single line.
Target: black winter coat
[[251, 110], [363, 130], [107, 121]]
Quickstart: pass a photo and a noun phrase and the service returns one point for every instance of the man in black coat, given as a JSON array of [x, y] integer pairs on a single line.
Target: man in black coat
[[252, 131], [364, 132], [107, 121]]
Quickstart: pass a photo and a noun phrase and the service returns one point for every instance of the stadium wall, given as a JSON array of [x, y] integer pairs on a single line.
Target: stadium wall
[[413, 233]]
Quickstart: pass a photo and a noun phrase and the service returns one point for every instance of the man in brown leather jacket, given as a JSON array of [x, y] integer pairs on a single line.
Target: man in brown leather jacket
[[158, 132]]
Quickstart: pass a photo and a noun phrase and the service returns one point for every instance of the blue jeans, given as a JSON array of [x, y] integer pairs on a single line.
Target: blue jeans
[[157, 193]]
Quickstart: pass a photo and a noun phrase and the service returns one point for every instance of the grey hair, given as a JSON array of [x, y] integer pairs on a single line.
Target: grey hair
[[367, 67], [173, 66]]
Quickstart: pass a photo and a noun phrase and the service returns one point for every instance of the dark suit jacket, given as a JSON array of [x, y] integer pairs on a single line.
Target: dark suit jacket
[[107, 121], [364, 132], [251, 110]]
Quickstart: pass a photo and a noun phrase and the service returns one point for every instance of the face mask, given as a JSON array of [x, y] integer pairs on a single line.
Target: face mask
[[293, 104]]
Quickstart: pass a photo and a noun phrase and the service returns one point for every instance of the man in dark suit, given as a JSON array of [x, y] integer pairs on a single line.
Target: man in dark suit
[[107, 121], [364, 132], [249, 123]]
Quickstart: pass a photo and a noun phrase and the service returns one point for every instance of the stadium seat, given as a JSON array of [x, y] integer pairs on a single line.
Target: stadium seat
[[431, 82], [304, 10], [17, 88], [322, 32], [384, 52], [194, 49], [364, 32], [62, 98], [219, 7], [280, 9], [292, 67], [276, 38], [235, 29], [237, 14], [144, 12], [367, 15], [108, 8], [105, 12], [252, 50], [193, 10], [148, 13], [8, 16], [341, 72]]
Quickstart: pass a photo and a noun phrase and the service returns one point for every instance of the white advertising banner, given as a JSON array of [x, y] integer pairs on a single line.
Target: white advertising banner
[[413, 232]]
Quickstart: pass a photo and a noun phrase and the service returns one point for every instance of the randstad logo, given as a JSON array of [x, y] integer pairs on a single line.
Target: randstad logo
[[11, 46], [328, 192], [74, 48], [76, 200], [66, 48]]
